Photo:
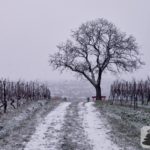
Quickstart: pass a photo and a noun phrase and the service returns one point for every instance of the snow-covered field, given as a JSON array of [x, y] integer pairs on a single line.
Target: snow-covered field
[[18, 126]]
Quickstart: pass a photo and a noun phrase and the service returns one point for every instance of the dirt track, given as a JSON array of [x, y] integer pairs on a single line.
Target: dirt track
[[56, 125]]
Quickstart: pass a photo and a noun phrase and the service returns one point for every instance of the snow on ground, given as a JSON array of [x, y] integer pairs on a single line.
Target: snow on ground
[[95, 128], [68, 126], [12, 120], [125, 123], [47, 132]]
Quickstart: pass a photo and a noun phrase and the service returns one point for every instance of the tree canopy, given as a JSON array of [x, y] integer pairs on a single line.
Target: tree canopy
[[97, 46]]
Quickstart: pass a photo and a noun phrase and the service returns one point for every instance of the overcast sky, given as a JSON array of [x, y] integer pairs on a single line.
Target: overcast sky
[[31, 29]]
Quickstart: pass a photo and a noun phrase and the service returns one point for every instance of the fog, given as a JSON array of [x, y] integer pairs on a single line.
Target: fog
[[31, 29]]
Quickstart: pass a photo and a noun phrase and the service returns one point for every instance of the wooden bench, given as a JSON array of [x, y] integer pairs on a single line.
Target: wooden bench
[[102, 98]]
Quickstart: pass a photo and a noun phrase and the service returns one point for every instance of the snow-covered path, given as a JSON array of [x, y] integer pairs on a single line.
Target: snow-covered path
[[47, 132], [95, 128], [63, 126], [72, 126]]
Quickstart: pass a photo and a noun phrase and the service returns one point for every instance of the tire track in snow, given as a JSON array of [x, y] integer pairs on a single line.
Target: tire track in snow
[[46, 136], [95, 128], [73, 134]]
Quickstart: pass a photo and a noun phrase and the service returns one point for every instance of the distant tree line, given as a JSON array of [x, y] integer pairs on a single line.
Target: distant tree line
[[130, 93], [17, 93]]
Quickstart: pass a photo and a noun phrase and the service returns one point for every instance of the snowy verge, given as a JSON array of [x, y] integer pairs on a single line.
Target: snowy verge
[[11, 121], [47, 132]]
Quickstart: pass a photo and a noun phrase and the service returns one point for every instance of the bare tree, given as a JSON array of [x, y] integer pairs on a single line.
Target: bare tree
[[95, 47]]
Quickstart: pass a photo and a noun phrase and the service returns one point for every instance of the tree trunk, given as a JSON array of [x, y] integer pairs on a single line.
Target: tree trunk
[[5, 101], [98, 92]]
